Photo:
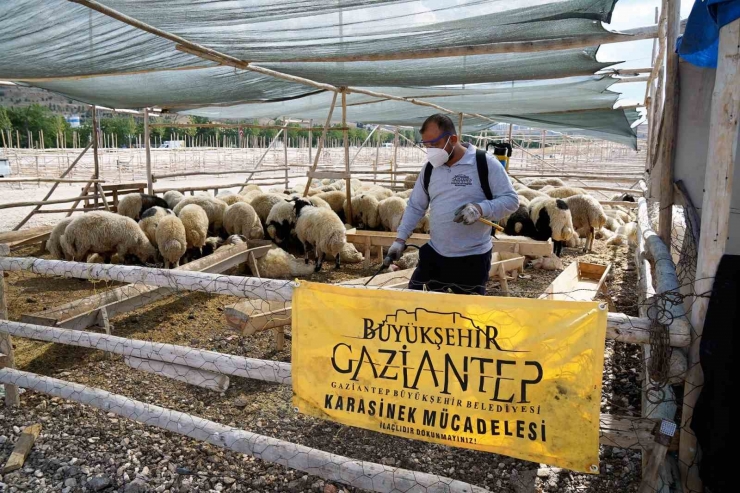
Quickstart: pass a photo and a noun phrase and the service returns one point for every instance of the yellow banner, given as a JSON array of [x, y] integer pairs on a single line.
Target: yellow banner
[[512, 376]]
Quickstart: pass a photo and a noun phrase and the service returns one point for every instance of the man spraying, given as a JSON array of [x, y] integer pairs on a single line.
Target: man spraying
[[459, 185]]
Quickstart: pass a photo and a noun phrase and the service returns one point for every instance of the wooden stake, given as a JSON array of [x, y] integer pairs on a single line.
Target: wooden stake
[[715, 216], [460, 127], [320, 143], [310, 140], [670, 121], [348, 179], [377, 157], [285, 152], [394, 167], [147, 153], [12, 397], [22, 448]]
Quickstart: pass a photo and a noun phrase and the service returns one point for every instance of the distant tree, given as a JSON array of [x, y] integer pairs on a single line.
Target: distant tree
[[5, 123], [120, 126]]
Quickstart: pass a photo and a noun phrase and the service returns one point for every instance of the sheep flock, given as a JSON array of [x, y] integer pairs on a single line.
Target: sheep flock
[[174, 229]]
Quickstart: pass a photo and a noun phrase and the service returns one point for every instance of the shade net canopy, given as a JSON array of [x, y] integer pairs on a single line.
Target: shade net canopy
[[75, 51]]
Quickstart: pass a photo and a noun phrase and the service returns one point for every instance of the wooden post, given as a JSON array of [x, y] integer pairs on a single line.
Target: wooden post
[[320, 143], [715, 216], [394, 168], [310, 140], [285, 152], [542, 144], [459, 127], [147, 153], [377, 157], [345, 134], [669, 121], [95, 142], [12, 397], [511, 126]]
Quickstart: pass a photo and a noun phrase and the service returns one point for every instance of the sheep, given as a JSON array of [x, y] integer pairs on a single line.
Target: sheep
[[376, 191], [408, 260], [423, 225], [319, 202], [195, 220], [172, 197], [626, 233], [279, 264], [134, 204], [335, 199], [239, 219], [523, 201], [364, 211], [105, 233], [213, 207], [231, 198], [551, 219], [575, 241], [248, 196], [410, 180], [262, 204], [52, 244], [588, 217], [171, 240], [405, 194], [565, 192], [623, 197], [281, 220], [249, 188], [149, 220], [612, 223], [538, 183], [623, 217], [519, 186], [519, 223], [391, 211], [547, 263], [323, 230], [350, 255], [529, 194]]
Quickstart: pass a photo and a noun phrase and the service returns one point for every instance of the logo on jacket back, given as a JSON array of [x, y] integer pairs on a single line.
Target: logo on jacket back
[[461, 180]]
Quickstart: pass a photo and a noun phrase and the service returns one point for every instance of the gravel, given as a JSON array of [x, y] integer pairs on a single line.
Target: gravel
[[82, 449]]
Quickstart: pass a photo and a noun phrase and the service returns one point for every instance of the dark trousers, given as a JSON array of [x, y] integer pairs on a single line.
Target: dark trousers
[[462, 275]]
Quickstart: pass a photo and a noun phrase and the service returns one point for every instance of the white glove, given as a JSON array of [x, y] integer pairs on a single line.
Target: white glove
[[468, 214], [395, 251]]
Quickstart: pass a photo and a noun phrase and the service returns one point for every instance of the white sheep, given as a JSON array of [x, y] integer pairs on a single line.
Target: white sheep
[[391, 211], [404, 194], [263, 203], [171, 240], [249, 188], [529, 194], [335, 199], [279, 264], [410, 180], [350, 255], [239, 219], [53, 246], [537, 183], [150, 219], [173, 197], [625, 233], [423, 225], [321, 229], [551, 219], [249, 195], [588, 217], [231, 198], [319, 202], [376, 191], [213, 207], [195, 220], [364, 211], [134, 204], [565, 192], [105, 233]]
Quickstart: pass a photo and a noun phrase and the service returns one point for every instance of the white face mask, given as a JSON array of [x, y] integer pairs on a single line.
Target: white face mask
[[437, 157]]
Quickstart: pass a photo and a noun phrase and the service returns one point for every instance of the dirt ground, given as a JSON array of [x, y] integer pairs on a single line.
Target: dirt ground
[[83, 449]]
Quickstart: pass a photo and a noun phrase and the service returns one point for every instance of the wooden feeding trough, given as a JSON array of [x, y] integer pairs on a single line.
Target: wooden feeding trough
[[579, 282], [522, 245], [504, 264]]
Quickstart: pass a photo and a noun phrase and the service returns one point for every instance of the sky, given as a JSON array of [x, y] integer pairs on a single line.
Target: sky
[[630, 14]]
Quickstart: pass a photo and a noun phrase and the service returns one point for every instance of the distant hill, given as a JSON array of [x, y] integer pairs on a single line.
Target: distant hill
[[18, 96]]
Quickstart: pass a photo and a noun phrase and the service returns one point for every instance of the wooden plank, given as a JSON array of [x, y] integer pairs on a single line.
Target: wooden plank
[[83, 313], [510, 261], [330, 175], [23, 237], [193, 376], [522, 245], [571, 285], [251, 316], [22, 448]]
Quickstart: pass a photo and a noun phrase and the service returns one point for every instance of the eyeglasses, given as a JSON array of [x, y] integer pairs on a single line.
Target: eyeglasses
[[425, 144]]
